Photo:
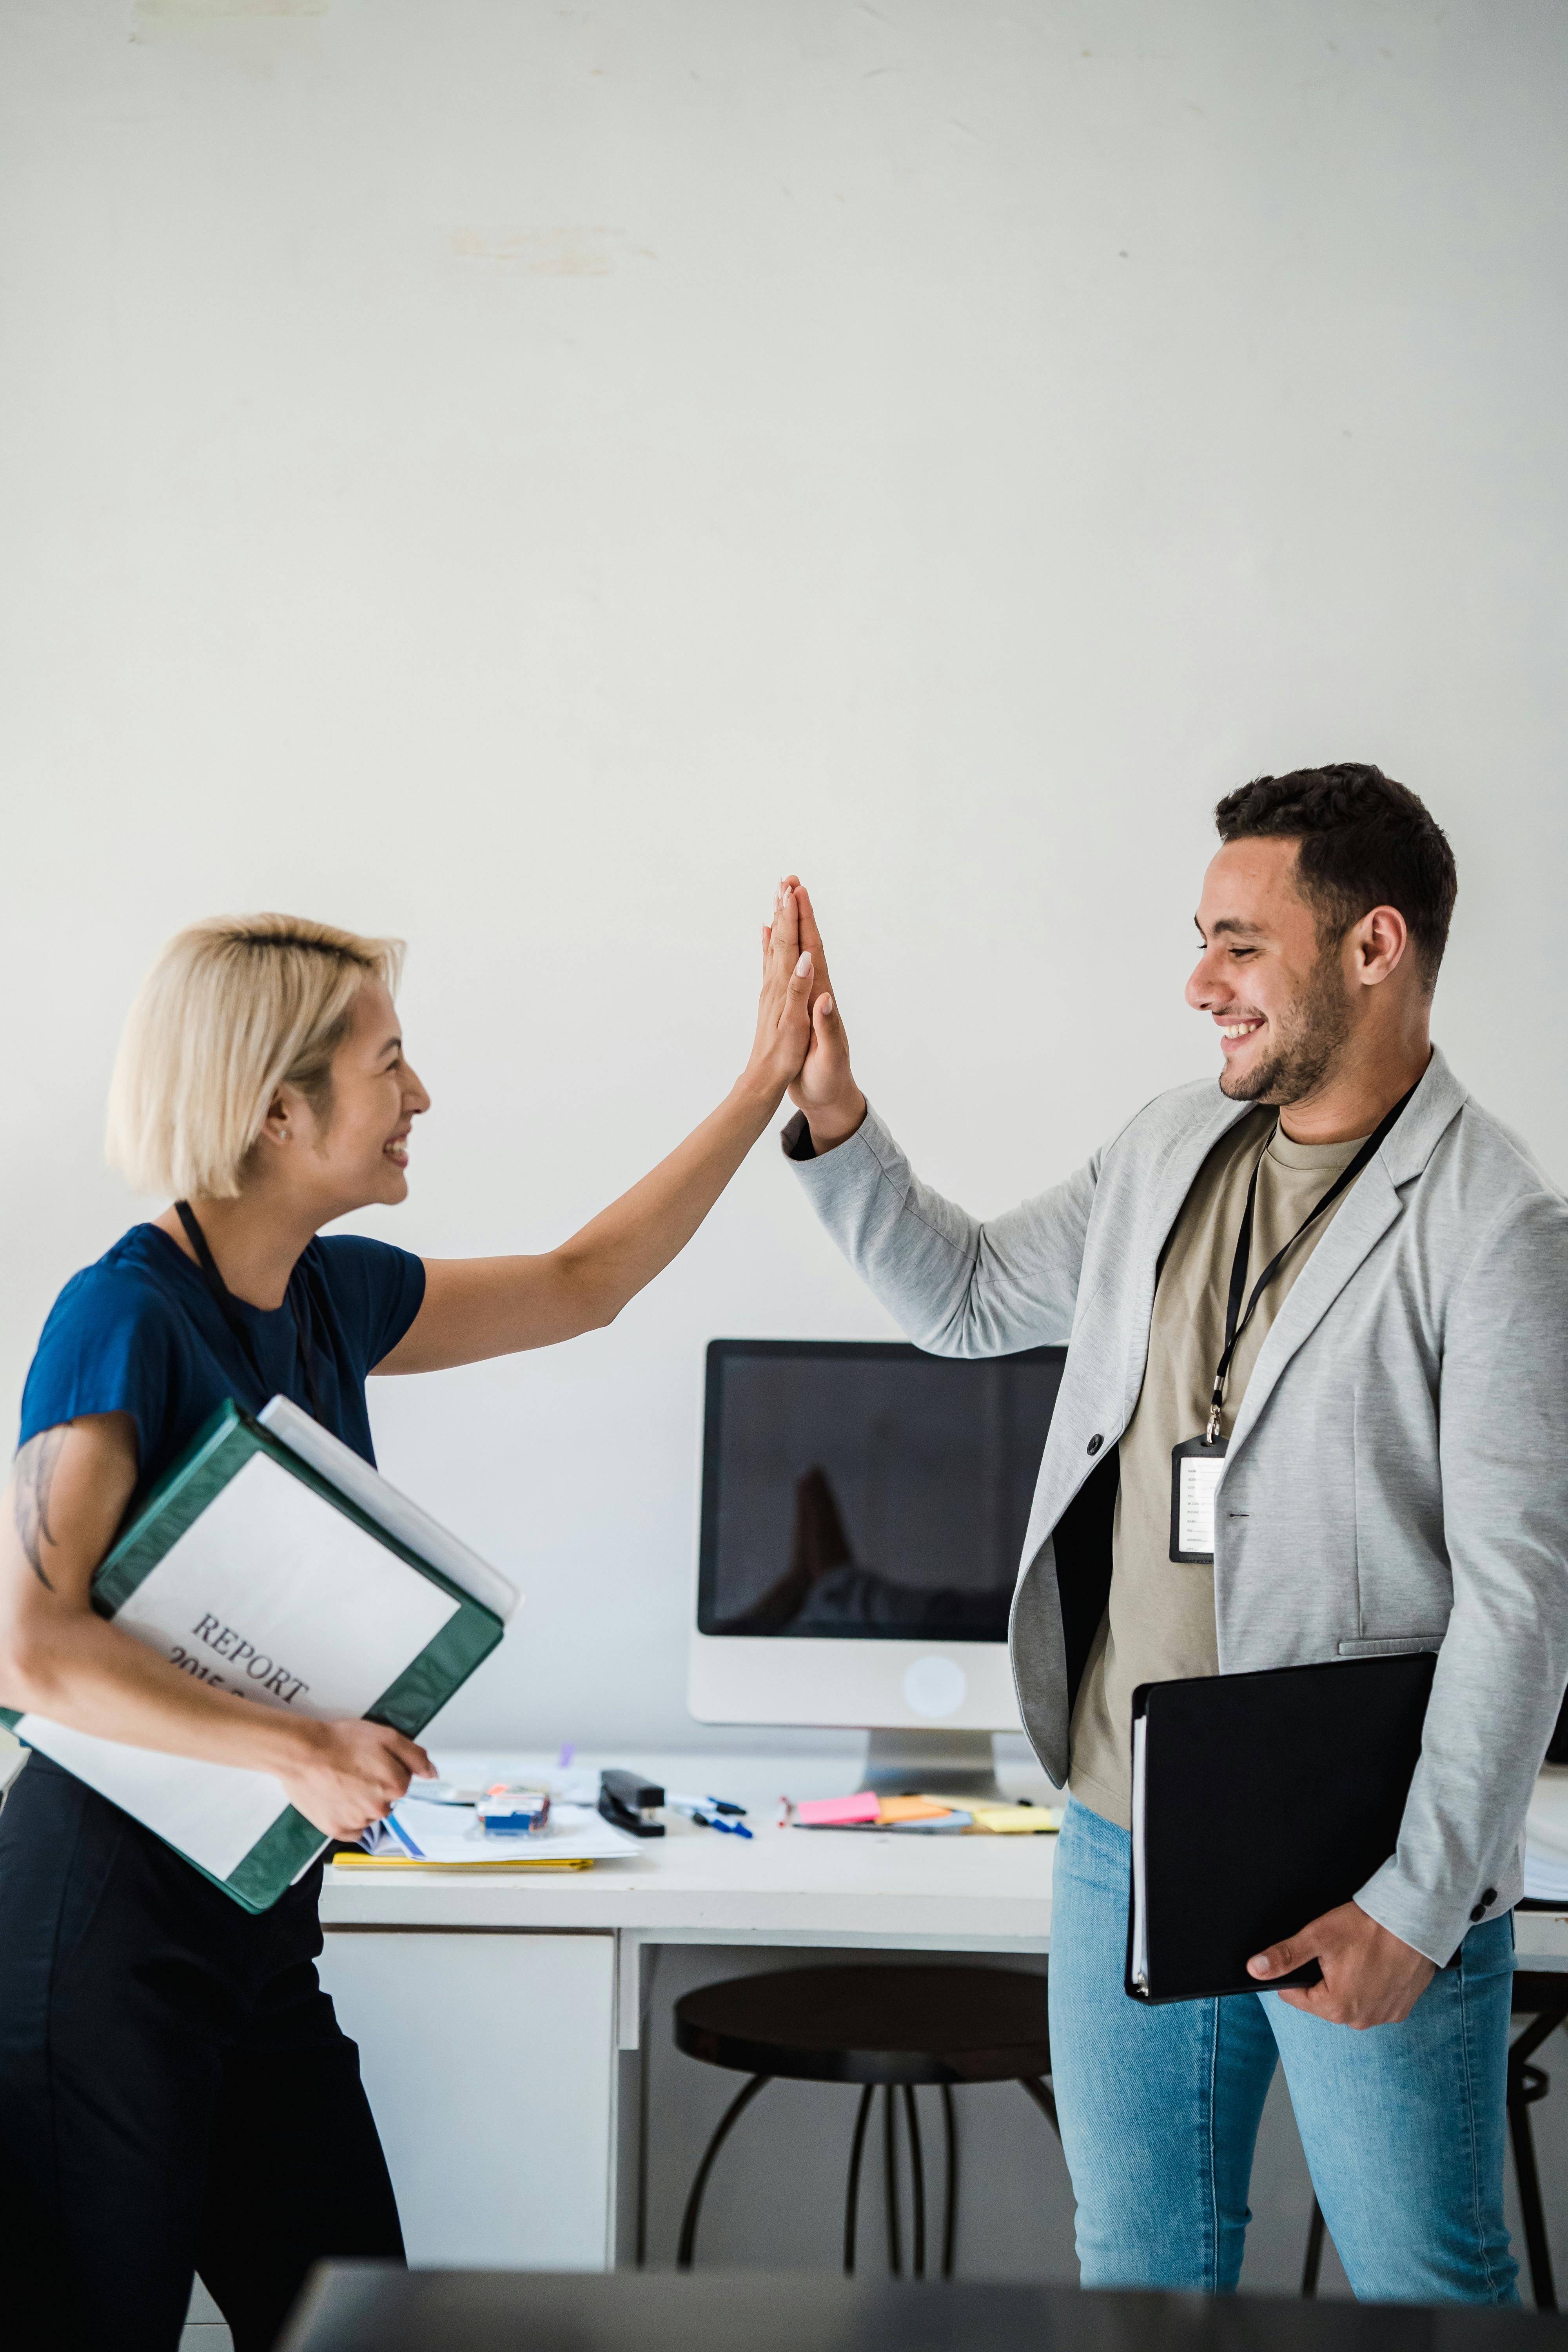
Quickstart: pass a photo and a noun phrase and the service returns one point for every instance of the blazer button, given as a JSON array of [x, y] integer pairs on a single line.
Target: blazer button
[[1490, 1897], [1479, 1912], [1096, 1442]]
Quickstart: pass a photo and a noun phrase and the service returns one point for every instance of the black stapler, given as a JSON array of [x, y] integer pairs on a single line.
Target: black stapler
[[632, 1803]]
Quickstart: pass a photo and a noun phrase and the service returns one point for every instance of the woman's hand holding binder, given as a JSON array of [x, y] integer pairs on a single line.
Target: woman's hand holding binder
[[352, 1773]]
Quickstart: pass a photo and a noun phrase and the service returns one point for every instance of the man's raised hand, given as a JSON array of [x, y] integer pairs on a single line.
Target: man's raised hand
[[825, 1088]]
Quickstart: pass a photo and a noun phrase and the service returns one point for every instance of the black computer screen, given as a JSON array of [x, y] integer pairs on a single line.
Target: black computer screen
[[866, 1491]]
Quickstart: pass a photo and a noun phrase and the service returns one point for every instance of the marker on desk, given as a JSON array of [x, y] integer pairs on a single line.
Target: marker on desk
[[695, 1809], [712, 1805]]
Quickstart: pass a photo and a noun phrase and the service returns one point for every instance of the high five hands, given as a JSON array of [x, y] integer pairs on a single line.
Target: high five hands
[[821, 1082]]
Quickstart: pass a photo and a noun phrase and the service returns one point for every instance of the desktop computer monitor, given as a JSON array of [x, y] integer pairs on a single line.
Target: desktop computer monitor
[[864, 1506]]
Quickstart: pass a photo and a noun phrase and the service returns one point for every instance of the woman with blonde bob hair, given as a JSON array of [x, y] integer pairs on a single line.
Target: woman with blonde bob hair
[[175, 2094]]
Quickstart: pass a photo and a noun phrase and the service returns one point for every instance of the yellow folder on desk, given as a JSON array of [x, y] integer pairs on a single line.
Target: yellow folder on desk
[[484, 1862]]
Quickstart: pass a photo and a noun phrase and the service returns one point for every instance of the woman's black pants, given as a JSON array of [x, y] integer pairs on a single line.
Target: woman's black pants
[[176, 2094]]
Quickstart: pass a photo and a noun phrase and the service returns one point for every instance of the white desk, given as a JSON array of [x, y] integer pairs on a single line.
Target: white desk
[[496, 2014]]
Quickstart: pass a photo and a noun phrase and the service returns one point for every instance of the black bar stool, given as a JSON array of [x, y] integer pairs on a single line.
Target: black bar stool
[[1540, 1995], [884, 2027]]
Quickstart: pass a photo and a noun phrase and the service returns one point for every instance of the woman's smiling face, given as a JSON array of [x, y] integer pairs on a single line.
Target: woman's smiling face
[[354, 1151]]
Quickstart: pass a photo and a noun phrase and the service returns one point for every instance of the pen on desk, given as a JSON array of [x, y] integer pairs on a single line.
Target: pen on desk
[[710, 1805], [693, 1809]]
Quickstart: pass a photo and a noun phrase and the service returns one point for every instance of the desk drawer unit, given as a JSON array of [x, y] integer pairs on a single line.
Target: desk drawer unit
[[489, 2061]]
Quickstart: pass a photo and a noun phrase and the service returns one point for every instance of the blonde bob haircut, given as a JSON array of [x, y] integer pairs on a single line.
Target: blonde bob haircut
[[231, 1010]]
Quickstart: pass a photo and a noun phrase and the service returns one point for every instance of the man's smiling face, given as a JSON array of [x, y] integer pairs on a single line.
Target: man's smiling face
[[1278, 998]]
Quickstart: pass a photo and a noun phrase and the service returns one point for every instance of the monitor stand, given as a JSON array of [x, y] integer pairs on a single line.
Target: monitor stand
[[934, 1763]]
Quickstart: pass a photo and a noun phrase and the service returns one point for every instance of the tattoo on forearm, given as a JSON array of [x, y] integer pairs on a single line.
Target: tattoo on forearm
[[35, 1477]]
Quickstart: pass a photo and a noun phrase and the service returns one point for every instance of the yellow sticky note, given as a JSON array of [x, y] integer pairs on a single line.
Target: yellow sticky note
[[1016, 1821]]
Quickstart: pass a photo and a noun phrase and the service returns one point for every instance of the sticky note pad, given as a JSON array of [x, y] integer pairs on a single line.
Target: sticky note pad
[[838, 1812], [913, 1809], [1016, 1821]]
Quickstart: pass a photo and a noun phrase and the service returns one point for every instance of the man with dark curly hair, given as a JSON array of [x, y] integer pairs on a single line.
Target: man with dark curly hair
[[1386, 1442]]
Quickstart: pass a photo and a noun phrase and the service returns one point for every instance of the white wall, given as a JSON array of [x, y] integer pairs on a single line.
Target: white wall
[[519, 474]]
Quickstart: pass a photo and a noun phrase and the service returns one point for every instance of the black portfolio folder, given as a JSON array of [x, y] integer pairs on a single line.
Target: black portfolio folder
[[1261, 1801]]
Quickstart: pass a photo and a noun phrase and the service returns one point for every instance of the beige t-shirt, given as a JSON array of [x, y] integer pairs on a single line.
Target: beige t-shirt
[[1159, 1625]]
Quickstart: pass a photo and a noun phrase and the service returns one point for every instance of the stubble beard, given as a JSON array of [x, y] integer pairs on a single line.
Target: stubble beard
[[1310, 1040]]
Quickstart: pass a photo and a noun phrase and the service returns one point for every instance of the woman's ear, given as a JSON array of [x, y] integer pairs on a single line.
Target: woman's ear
[[281, 1124]]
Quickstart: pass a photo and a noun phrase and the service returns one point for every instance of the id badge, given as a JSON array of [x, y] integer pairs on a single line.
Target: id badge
[[1195, 1470]]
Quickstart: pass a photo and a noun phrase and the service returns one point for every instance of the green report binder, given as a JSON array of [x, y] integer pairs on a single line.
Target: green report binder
[[273, 1562]]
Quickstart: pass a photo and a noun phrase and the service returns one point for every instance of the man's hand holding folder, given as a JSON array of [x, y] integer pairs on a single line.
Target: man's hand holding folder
[[1370, 1977]]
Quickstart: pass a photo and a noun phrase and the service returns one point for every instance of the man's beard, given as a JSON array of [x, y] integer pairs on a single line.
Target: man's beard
[[1310, 1040]]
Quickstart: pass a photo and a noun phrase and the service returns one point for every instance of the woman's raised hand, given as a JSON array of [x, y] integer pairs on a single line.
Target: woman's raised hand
[[825, 1088], [783, 1009]]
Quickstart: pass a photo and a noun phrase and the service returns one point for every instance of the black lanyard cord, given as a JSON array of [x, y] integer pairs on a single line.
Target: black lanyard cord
[[297, 1298], [1235, 1320]]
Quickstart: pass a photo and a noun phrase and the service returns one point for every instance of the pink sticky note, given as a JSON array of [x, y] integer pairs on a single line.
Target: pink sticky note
[[833, 1813]]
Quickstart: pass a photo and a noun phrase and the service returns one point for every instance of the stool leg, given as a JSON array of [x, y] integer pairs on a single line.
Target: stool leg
[[917, 2181], [1525, 2085], [1039, 2091], [890, 2181], [731, 2116], [950, 2201], [852, 2194], [1313, 2263]]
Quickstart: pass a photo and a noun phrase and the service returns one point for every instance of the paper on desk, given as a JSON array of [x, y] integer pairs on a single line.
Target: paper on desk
[[1016, 1821], [838, 1812], [448, 1839], [925, 1813]]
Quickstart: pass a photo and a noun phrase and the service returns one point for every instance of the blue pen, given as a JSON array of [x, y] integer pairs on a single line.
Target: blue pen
[[710, 1804], [693, 1808], [729, 1829]]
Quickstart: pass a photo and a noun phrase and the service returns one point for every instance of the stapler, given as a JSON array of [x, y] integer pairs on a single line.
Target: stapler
[[632, 1803]]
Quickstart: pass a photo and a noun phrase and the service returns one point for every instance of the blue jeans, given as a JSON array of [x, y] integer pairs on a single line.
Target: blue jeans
[[1402, 2124]]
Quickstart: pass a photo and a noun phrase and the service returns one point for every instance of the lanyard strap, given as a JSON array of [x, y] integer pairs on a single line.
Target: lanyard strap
[[1235, 1320], [296, 1296]]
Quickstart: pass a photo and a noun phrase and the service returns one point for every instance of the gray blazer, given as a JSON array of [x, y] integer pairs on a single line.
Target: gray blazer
[[1397, 1477]]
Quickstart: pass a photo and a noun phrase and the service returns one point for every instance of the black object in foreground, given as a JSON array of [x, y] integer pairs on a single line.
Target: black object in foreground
[[629, 1803], [1261, 1801], [377, 2307]]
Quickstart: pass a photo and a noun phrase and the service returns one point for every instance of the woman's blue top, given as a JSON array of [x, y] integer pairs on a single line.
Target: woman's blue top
[[140, 1333]]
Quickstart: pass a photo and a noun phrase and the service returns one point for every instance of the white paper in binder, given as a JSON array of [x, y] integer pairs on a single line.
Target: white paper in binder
[[381, 1501]]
